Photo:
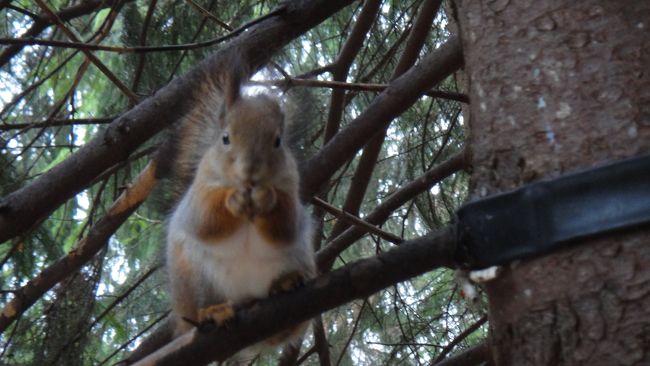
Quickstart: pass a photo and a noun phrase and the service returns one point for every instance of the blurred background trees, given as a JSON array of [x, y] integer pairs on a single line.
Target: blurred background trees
[[53, 99]]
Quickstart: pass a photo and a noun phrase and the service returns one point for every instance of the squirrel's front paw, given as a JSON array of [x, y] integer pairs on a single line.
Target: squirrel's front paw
[[264, 199], [239, 203]]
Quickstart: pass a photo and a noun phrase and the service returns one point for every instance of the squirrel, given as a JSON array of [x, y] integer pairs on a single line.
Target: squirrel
[[240, 231]]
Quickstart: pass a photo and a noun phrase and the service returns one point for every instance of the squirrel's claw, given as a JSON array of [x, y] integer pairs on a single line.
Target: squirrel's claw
[[239, 203], [287, 282], [218, 314], [264, 199], [251, 202]]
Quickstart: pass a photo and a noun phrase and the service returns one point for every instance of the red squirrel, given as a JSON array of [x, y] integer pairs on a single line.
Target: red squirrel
[[239, 232]]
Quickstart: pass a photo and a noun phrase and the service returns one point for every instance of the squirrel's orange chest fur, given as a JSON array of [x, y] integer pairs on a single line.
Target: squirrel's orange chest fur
[[216, 222]]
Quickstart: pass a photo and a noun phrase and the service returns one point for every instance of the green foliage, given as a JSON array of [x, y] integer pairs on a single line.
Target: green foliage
[[406, 324]]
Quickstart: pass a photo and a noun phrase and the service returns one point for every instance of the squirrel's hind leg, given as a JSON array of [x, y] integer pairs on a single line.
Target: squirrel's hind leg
[[286, 283], [184, 297]]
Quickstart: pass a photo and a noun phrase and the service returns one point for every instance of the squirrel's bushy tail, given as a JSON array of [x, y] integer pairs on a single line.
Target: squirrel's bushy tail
[[202, 124]]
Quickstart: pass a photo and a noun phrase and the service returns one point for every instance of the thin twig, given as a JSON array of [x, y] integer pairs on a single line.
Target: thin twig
[[287, 83], [354, 330], [23, 11], [321, 343], [56, 122], [126, 344], [328, 254], [304, 357], [206, 13], [471, 329], [355, 220], [95, 47], [143, 42], [474, 356], [343, 62], [117, 300], [96, 239], [100, 65], [66, 14]]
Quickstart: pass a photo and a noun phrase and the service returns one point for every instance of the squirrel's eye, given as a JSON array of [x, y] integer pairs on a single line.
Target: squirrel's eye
[[225, 139], [277, 142]]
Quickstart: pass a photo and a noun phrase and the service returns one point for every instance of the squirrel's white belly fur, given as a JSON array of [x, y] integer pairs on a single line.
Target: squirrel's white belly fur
[[242, 266], [239, 267]]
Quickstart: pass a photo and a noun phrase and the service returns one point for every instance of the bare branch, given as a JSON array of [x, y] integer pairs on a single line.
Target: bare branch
[[355, 220], [143, 42], [400, 94], [290, 353], [464, 334], [22, 209], [43, 22], [255, 322], [206, 13], [23, 11], [163, 334], [352, 332], [368, 159], [321, 344], [474, 356], [326, 256], [137, 50], [417, 36], [56, 122], [100, 65], [341, 66], [459, 97], [96, 239]]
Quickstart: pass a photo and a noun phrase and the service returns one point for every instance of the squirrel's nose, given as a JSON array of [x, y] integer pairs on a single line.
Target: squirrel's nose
[[249, 184]]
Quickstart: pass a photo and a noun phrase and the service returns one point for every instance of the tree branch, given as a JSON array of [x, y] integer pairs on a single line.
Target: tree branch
[[356, 221], [96, 61], [255, 322], [290, 353], [326, 256], [321, 343], [162, 332], [20, 210], [341, 66], [56, 122], [96, 239], [76, 44], [288, 83], [368, 160], [143, 42], [44, 21], [352, 332], [400, 94], [464, 334], [476, 355]]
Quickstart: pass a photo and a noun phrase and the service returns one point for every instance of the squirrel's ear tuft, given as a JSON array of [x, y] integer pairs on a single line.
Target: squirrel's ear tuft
[[234, 78], [231, 88]]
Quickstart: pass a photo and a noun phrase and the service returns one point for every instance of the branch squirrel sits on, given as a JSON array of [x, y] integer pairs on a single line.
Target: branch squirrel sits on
[[239, 232]]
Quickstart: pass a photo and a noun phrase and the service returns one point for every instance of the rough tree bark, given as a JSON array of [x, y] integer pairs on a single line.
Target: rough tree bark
[[557, 86]]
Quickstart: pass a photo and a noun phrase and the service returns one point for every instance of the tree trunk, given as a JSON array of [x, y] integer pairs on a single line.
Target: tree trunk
[[556, 86]]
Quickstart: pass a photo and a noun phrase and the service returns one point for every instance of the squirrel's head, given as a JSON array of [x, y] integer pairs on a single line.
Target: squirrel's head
[[252, 140], [252, 144]]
